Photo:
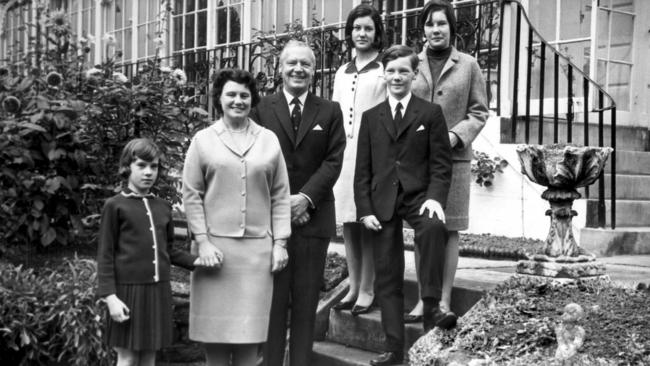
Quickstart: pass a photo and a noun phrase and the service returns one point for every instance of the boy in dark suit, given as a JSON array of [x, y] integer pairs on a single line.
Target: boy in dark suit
[[403, 172]]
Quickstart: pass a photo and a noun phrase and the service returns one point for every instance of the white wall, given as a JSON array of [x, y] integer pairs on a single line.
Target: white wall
[[513, 205]]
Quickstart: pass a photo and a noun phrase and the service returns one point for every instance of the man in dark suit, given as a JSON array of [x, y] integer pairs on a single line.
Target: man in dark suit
[[310, 130], [403, 172]]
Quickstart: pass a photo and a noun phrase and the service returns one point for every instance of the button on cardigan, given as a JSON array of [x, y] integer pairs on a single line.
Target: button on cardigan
[[136, 242], [235, 191]]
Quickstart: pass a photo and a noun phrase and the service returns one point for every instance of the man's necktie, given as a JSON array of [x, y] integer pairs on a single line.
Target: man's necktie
[[398, 116], [295, 115]]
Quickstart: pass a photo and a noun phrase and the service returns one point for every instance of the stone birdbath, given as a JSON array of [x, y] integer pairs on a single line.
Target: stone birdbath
[[562, 169]]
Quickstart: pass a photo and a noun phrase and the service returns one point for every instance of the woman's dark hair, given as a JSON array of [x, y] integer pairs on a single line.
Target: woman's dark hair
[[360, 11], [142, 148], [238, 76], [439, 5]]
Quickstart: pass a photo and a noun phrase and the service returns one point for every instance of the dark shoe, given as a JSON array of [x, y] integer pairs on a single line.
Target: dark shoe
[[358, 309], [446, 320], [387, 358], [409, 318], [430, 318], [343, 305]]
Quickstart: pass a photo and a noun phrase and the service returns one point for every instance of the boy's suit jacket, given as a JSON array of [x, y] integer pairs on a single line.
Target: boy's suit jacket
[[417, 156], [314, 157]]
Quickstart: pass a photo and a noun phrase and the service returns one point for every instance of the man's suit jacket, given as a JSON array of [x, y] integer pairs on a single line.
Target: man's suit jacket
[[314, 157], [417, 156]]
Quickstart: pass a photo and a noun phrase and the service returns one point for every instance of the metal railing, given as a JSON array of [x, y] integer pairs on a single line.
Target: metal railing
[[570, 89]]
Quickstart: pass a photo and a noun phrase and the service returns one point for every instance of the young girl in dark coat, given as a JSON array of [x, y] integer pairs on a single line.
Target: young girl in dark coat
[[134, 256]]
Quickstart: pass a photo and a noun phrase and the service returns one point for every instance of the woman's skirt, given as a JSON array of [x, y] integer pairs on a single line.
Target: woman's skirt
[[149, 326], [232, 304], [457, 209]]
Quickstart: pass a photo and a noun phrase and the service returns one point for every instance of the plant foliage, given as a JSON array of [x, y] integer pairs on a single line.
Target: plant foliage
[[51, 317], [63, 125], [484, 168]]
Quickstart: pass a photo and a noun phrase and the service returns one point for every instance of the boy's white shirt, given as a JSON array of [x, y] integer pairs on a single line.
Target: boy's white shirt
[[392, 101]]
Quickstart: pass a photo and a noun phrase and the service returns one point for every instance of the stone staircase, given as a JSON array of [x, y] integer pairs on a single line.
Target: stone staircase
[[632, 233], [354, 341]]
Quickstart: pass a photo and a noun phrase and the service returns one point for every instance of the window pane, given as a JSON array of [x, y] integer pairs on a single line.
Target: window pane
[[602, 38], [575, 21], [128, 13], [87, 3], [621, 43], [142, 11], [178, 33], [142, 39], [578, 53], [235, 23], [316, 12], [128, 36], [189, 5], [297, 11], [619, 84], [268, 9], [154, 9], [151, 34], [202, 28], [623, 5], [189, 31], [178, 6], [203, 4], [544, 17], [283, 18], [118, 14]]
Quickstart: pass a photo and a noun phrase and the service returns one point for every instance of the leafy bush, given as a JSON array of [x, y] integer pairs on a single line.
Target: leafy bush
[[52, 316], [62, 130], [484, 167]]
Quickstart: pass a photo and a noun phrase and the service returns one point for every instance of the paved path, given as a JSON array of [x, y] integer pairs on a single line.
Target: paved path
[[625, 269]]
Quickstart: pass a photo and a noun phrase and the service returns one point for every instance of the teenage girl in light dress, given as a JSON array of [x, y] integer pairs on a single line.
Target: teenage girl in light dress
[[358, 86]]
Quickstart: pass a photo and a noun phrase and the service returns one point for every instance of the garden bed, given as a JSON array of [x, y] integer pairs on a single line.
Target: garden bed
[[514, 325]]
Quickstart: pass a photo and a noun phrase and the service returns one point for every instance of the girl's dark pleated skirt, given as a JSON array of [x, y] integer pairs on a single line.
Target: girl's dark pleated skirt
[[150, 323]]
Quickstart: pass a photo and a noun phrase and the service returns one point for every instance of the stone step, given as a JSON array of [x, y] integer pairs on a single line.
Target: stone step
[[631, 162], [365, 331], [335, 354], [620, 241], [628, 187], [629, 213], [629, 138]]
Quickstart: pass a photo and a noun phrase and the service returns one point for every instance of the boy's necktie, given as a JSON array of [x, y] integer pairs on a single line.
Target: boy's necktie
[[398, 116]]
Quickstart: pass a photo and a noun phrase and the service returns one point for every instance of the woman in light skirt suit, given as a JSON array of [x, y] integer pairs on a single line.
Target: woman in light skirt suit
[[236, 198]]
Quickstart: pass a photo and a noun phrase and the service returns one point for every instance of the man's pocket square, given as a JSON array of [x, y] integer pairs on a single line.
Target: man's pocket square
[[318, 128], [421, 128]]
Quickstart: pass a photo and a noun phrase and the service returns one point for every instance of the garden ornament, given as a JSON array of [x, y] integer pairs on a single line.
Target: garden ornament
[[569, 334], [562, 169]]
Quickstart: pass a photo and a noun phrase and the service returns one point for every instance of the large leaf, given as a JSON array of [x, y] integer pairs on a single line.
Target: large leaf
[[48, 237], [32, 126]]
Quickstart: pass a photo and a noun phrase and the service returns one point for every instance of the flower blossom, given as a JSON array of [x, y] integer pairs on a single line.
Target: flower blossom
[[11, 104], [119, 77], [93, 72], [159, 42], [109, 39], [165, 69], [54, 78], [179, 76]]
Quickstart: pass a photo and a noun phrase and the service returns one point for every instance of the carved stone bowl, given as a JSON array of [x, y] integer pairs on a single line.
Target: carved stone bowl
[[562, 167]]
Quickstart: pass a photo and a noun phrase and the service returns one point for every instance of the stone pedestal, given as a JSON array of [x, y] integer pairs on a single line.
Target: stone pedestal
[[561, 270]]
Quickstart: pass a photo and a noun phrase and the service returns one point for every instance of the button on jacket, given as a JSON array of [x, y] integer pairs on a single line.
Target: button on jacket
[[236, 193], [129, 250]]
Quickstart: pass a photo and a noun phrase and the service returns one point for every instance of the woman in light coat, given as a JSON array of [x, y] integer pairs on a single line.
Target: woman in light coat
[[454, 81], [358, 86]]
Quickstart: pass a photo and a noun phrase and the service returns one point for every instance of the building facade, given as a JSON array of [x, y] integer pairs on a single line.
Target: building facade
[[609, 39]]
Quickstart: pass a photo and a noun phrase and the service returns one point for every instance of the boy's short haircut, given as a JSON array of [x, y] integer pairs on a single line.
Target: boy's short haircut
[[397, 51], [142, 148]]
